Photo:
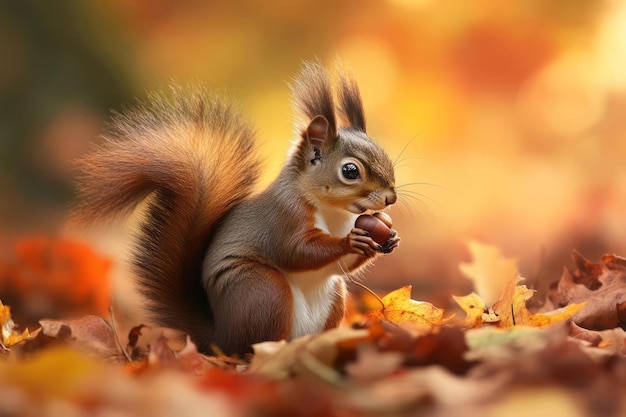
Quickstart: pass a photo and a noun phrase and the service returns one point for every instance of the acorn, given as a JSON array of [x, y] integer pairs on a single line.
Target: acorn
[[378, 225]]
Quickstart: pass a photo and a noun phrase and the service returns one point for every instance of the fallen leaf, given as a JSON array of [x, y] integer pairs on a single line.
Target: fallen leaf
[[446, 348], [10, 336], [372, 364], [415, 316], [489, 271], [313, 355], [509, 309], [55, 371], [555, 316], [602, 286], [587, 272], [489, 336], [133, 335], [474, 308], [132, 350], [90, 332], [55, 277], [589, 336]]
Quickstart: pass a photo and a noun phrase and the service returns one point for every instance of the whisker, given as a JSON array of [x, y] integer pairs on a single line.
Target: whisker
[[415, 194], [405, 205], [429, 184], [406, 158], [423, 208], [403, 150], [425, 212]]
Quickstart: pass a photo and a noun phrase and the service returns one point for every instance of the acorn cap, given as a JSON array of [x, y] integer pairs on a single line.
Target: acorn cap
[[384, 217]]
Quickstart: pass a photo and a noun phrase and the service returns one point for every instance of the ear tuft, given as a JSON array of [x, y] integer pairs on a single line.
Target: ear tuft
[[313, 95], [350, 105]]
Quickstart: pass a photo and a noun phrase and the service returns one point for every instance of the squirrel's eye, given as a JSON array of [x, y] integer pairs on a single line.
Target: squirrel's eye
[[350, 171]]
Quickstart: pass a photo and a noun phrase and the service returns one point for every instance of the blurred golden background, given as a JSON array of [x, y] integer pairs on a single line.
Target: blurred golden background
[[508, 116]]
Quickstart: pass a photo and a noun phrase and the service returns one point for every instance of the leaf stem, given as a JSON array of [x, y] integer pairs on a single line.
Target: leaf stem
[[369, 291], [117, 338]]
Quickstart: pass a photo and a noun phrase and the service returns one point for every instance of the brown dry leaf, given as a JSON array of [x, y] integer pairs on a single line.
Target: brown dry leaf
[[589, 336], [412, 389], [601, 285], [372, 365], [91, 332], [312, 355], [414, 316]]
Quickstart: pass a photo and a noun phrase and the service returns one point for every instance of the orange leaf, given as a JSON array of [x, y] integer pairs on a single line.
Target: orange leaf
[[511, 307], [70, 276]]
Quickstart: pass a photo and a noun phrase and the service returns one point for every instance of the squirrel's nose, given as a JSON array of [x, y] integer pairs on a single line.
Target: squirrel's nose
[[391, 198]]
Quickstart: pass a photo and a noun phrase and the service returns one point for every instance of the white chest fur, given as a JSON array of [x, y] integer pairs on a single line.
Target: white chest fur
[[314, 291]]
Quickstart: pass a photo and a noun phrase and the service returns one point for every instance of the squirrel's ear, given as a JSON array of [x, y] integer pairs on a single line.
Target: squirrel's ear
[[317, 133]]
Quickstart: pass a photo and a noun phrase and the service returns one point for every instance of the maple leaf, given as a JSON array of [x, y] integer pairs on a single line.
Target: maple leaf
[[489, 271], [474, 308], [511, 306], [489, 266], [600, 285], [415, 316]]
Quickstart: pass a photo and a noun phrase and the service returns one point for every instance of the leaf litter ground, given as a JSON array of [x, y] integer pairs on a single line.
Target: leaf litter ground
[[400, 357]]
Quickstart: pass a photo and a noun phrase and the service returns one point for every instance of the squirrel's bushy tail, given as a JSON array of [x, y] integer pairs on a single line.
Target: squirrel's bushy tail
[[192, 156]]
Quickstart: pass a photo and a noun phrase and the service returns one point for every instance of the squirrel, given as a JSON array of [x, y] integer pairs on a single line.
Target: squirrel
[[229, 266]]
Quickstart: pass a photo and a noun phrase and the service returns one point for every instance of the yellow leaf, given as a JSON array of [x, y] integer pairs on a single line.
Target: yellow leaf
[[5, 321], [56, 371], [490, 271], [474, 308], [415, 316], [555, 316], [10, 336]]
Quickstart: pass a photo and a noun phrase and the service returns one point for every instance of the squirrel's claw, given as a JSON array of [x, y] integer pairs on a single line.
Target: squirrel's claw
[[391, 243]]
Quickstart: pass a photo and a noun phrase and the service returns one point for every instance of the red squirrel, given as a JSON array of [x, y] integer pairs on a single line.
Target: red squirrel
[[228, 266]]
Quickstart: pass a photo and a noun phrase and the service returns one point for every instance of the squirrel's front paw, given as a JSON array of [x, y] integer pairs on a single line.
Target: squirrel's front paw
[[362, 243], [391, 243]]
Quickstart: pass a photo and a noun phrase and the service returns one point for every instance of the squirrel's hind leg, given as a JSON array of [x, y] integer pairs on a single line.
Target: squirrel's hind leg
[[256, 306]]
